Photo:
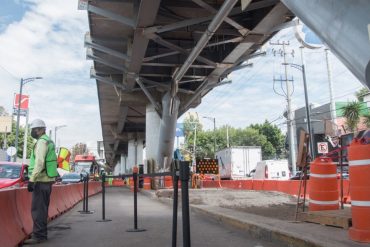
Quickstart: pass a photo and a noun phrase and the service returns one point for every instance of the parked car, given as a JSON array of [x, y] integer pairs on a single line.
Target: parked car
[[70, 178], [13, 175]]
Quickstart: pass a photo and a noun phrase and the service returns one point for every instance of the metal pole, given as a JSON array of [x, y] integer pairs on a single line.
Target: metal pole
[[227, 136], [175, 203], [333, 114], [55, 135], [184, 177], [87, 194], [18, 117], [214, 137], [308, 113], [25, 139], [134, 176], [103, 176], [289, 116], [195, 138]]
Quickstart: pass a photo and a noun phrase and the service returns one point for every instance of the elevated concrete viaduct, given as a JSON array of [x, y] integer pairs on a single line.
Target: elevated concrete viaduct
[[153, 60]]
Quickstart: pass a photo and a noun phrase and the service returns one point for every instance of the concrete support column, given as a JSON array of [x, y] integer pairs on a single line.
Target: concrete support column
[[135, 153], [151, 132], [123, 163]]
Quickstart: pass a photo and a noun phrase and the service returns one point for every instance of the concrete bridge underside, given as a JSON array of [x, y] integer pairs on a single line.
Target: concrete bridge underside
[[153, 60]]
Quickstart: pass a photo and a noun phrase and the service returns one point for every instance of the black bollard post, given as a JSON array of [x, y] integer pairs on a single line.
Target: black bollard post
[[83, 196], [184, 177], [86, 196], [175, 202], [103, 199], [136, 229]]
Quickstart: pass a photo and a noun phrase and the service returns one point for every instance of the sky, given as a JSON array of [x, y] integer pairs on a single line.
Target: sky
[[45, 38]]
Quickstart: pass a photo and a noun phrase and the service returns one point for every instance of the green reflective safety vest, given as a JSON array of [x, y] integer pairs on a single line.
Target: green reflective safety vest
[[51, 163]]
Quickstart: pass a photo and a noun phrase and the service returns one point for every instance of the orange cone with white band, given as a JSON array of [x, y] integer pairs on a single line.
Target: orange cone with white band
[[359, 177], [323, 188]]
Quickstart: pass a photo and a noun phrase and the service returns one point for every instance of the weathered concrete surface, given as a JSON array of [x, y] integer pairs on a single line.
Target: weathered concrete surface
[[74, 229], [237, 208]]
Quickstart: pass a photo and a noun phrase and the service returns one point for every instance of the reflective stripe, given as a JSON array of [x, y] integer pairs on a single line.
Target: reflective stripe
[[324, 202], [323, 175], [359, 162], [361, 203]]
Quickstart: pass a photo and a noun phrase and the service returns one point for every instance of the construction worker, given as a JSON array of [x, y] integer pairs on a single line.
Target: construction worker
[[42, 172]]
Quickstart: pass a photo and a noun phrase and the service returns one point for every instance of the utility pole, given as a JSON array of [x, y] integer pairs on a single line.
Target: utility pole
[[292, 155], [333, 114], [227, 136], [25, 138]]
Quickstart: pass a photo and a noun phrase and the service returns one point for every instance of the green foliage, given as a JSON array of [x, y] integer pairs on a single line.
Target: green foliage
[[361, 93], [352, 114], [367, 120], [268, 136], [11, 140]]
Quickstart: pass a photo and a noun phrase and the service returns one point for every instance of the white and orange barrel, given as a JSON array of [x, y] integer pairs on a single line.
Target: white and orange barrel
[[147, 183], [359, 177], [322, 187]]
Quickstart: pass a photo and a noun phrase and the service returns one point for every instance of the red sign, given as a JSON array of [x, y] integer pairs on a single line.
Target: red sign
[[24, 102]]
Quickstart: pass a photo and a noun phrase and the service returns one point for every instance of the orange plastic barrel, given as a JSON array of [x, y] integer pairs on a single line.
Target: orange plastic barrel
[[131, 182], [168, 182], [147, 182], [359, 177], [323, 188]]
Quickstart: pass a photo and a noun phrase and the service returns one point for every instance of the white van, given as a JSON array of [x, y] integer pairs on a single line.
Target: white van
[[272, 169]]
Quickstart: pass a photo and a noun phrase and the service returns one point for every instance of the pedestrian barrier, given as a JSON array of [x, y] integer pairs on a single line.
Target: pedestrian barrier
[[23, 199], [181, 171], [359, 176], [11, 232], [15, 210], [323, 185]]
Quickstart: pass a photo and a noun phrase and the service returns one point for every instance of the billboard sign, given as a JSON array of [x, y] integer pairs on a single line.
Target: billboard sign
[[24, 102], [5, 124]]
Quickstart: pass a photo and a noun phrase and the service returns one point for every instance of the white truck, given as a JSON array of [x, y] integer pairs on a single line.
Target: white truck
[[238, 162], [272, 169]]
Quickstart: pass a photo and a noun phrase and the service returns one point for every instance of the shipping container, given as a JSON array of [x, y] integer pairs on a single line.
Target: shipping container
[[238, 162]]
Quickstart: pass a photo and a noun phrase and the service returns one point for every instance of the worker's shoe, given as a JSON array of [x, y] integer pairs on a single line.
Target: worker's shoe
[[33, 241]]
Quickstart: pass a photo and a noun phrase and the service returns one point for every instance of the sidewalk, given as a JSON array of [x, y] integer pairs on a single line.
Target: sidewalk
[[287, 233], [80, 230]]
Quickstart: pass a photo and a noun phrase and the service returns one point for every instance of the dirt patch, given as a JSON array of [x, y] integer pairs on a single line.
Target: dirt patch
[[265, 203], [282, 212]]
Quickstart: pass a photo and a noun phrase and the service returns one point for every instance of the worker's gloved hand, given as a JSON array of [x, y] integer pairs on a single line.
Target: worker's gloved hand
[[30, 186]]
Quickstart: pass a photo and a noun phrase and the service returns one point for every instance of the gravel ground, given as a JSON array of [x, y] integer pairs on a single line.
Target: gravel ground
[[265, 203]]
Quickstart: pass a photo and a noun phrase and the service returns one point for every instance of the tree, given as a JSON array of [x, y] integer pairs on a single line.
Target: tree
[[79, 149], [367, 120], [3, 112], [10, 138], [361, 93], [352, 114], [273, 135]]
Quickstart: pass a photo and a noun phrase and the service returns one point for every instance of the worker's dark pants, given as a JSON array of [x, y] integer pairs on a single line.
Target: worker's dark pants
[[40, 205]]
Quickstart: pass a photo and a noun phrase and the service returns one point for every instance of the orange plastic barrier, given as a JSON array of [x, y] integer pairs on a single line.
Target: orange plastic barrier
[[323, 186], [147, 182], [359, 176], [10, 224], [23, 200], [258, 184], [168, 182]]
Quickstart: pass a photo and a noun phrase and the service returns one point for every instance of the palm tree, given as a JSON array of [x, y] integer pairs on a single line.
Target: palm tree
[[367, 120], [352, 114]]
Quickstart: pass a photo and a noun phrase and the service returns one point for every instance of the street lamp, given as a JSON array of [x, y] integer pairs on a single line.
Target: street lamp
[[308, 114], [214, 133], [23, 82], [55, 132]]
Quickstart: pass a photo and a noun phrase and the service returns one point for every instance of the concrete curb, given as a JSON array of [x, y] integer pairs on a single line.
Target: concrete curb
[[258, 231], [273, 230]]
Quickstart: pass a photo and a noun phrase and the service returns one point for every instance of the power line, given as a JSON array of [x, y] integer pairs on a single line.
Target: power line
[[9, 72]]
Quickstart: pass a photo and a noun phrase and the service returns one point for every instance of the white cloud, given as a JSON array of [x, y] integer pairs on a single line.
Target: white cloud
[[48, 42]]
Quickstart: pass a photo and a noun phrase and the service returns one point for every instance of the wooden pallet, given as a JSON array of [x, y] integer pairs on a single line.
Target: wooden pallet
[[339, 218]]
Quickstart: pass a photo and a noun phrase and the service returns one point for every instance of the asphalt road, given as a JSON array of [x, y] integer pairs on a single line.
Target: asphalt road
[[75, 229]]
